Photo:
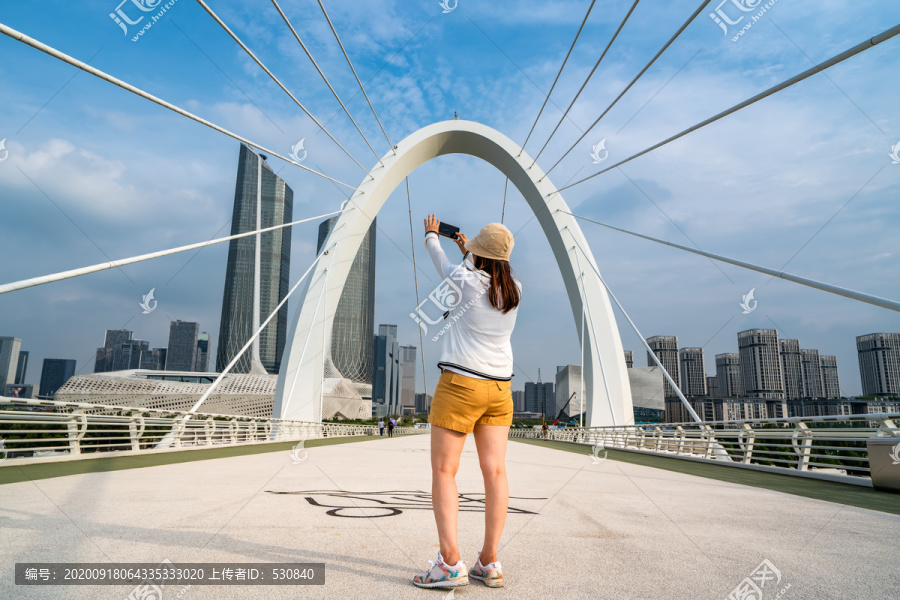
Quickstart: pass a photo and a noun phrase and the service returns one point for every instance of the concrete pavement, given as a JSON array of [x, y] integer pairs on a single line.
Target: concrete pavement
[[576, 529]]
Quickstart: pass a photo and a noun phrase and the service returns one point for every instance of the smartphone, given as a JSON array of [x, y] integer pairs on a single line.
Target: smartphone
[[447, 230]]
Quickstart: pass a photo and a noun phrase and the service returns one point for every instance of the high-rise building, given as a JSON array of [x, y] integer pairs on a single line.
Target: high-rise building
[[153, 360], [540, 398], [55, 373], [408, 377], [712, 386], [120, 352], [791, 369], [423, 402], [9, 360], [386, 372], [761, 363], [879, 363], [629, 359], [202, 353], [665, 347], [518, 397], [181, 353], [246, 303], [22, 366], [569, 396], [811, 365], [728, 374], [692, 371], [830, 376], [354, 319]]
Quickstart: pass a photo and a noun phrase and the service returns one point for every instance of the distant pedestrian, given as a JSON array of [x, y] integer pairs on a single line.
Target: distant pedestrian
[[391, 428], [545, 430], [381, 427]]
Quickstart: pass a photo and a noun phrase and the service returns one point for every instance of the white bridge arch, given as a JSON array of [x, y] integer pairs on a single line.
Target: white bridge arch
[[300, 380]]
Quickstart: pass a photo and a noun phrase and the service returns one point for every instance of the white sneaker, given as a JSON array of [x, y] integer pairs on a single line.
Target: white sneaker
[[440, 574]]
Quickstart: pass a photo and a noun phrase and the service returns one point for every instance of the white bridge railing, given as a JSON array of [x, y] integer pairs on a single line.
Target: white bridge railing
[[48, 430], [822, 447]]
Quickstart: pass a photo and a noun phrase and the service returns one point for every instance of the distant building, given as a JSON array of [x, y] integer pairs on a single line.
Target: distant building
[[665, 347], [568, 391], [423, 402], [386, 373], [728, 374], [629, 359], [692, 371], [202, 365], [257, 189], [761, 363], [55, 373], [9, 360], [791, 369], [647, 392], [712, 386], [879, 363], [153, 360], [725, 409], [120, 351], [22, 366], [181, 353], [408, 378], [540, 398], [518, 397], [354, 319], [813, 385], [830, 376]]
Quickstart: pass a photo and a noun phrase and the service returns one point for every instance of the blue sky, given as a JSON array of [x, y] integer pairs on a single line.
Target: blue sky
[[800, 181]]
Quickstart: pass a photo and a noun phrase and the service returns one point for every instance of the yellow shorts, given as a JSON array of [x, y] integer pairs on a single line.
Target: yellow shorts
[[462, 402]]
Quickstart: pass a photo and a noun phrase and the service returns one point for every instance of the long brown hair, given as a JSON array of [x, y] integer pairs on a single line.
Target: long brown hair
[[503, 293]]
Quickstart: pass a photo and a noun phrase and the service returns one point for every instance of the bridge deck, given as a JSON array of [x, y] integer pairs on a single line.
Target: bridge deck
[[577, 529]]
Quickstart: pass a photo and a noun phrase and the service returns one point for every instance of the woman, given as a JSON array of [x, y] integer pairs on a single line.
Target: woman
[[472, 396]]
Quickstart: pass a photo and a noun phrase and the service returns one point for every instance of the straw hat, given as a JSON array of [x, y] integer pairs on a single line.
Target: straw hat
[[493, 241]]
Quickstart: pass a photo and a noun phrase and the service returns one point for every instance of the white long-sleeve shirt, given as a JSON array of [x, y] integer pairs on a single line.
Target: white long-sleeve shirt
[[475, 334]]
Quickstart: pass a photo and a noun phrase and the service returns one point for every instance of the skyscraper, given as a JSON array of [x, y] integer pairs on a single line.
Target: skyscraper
[[386, 374], [22, 366], [728, 374], [119, 352], [692, 371], [813, 385], [879, 363], [761, 363], [791, 369], [55, 373], [830, 376], [351, 350], [181, 353], [252, 294], [9, 360], [408, 378], [665, 347], [712, 386], [540, 397], [629, 359], [202, 353]]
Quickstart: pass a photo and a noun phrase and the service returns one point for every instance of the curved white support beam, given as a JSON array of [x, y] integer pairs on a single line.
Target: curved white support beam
[[298, 391]]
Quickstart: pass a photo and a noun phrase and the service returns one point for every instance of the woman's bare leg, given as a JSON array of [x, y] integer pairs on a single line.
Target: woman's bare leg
[[491, 443], [446, 447]]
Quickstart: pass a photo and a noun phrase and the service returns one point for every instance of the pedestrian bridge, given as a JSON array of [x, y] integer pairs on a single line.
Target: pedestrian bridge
[[582, 523]]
